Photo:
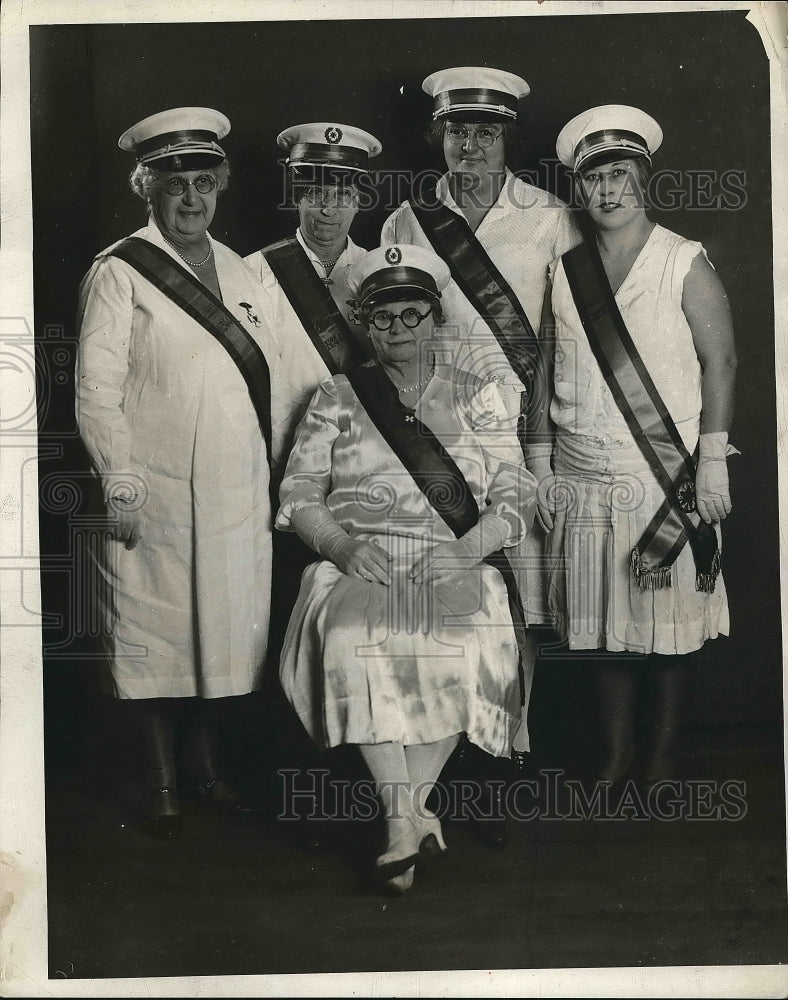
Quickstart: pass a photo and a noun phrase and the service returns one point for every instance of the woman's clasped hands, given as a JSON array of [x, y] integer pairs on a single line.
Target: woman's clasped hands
[[371, 562]]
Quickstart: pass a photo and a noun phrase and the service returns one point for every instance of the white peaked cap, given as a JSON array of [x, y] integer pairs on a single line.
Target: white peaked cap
[[475, 93], [175, 133], [398, 271], [608, 132], [329, 145]]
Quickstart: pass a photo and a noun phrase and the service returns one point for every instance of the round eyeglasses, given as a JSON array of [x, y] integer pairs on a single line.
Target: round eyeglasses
[[458, 135], [341, 197], [177, 186], [383, 319]]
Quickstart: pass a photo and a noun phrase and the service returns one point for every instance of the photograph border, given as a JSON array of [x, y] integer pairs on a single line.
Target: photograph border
[[23, 938]]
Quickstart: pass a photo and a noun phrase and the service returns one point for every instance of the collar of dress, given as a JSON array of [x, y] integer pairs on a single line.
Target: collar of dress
[[346, 257], [505, 204]]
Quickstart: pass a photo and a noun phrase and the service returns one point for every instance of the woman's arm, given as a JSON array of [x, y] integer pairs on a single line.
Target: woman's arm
[[539, 427], [705, 305], [306, 486], [104, 319]]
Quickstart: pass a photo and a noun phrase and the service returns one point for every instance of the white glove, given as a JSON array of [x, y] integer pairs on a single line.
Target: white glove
[[447, 559], [712, 490], [315, 526], [538, 464]]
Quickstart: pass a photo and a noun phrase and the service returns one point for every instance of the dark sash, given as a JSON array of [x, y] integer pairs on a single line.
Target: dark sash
[[312, 302], [483, 285], [676, 521], [188, 292], [435, 473]]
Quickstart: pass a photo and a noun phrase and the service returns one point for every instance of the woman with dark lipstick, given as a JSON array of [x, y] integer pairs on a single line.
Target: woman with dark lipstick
[[643, 398]]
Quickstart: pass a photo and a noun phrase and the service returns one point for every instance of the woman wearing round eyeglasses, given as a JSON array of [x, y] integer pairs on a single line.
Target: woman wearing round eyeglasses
[[404, 478], [176, 437], [498, 234]]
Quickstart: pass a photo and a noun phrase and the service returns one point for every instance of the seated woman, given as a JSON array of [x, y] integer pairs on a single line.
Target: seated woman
[[643, 400], [404, 479]]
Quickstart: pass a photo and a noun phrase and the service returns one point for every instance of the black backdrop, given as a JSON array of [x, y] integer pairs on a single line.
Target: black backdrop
[[704, 76]]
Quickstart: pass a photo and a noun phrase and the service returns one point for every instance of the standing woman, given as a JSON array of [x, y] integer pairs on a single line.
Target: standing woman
[[497, 234], [304, 283], [173, 400], [643, 401], [304, 277]]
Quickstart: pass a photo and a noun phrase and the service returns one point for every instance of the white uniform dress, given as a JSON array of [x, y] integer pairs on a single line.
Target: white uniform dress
[[365, 663], [306, 369], [609, 490], [186, 611], [522, 233]]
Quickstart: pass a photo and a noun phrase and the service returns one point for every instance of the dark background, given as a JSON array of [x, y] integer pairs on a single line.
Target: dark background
[[238, 897], [703, 76]]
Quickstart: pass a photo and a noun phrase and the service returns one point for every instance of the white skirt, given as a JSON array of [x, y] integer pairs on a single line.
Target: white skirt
[[606, 498], [365, 663]]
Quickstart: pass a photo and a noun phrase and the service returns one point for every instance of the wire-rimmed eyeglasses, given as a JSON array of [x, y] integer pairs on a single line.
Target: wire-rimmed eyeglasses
[[328, 195], [177, 186], [485, 135]]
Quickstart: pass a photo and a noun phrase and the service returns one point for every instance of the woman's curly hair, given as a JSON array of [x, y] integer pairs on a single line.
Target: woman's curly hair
[[143, 177]]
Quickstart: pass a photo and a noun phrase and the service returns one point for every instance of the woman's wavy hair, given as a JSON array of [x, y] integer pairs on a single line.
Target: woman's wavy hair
[[142, 178], [512, 137]]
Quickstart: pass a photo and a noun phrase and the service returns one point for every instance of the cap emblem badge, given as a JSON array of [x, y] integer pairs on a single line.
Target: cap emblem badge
[[393, 255], [333, 134]]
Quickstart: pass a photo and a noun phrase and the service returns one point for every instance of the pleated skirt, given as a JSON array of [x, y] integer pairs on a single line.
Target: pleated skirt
[[606, 496]]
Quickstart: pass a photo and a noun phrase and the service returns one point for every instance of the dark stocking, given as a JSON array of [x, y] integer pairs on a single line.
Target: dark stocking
[[665, 696], [617, 693], [201, 748], [154, 727]]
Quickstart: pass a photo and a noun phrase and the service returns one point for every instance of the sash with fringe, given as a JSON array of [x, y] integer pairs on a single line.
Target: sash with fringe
[[435, 473], [317, 312], [190, 294], [676, 522]]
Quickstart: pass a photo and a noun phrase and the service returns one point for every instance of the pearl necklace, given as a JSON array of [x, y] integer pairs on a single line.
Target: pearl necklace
[[418, 385], [328, 267], [191, 263]]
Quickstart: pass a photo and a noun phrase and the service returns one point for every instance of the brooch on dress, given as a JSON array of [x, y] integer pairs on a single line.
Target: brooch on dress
[[249, 314]]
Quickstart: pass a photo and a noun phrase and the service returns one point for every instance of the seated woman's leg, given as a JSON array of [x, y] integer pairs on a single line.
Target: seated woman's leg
[[389, 768], [425, 763]]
